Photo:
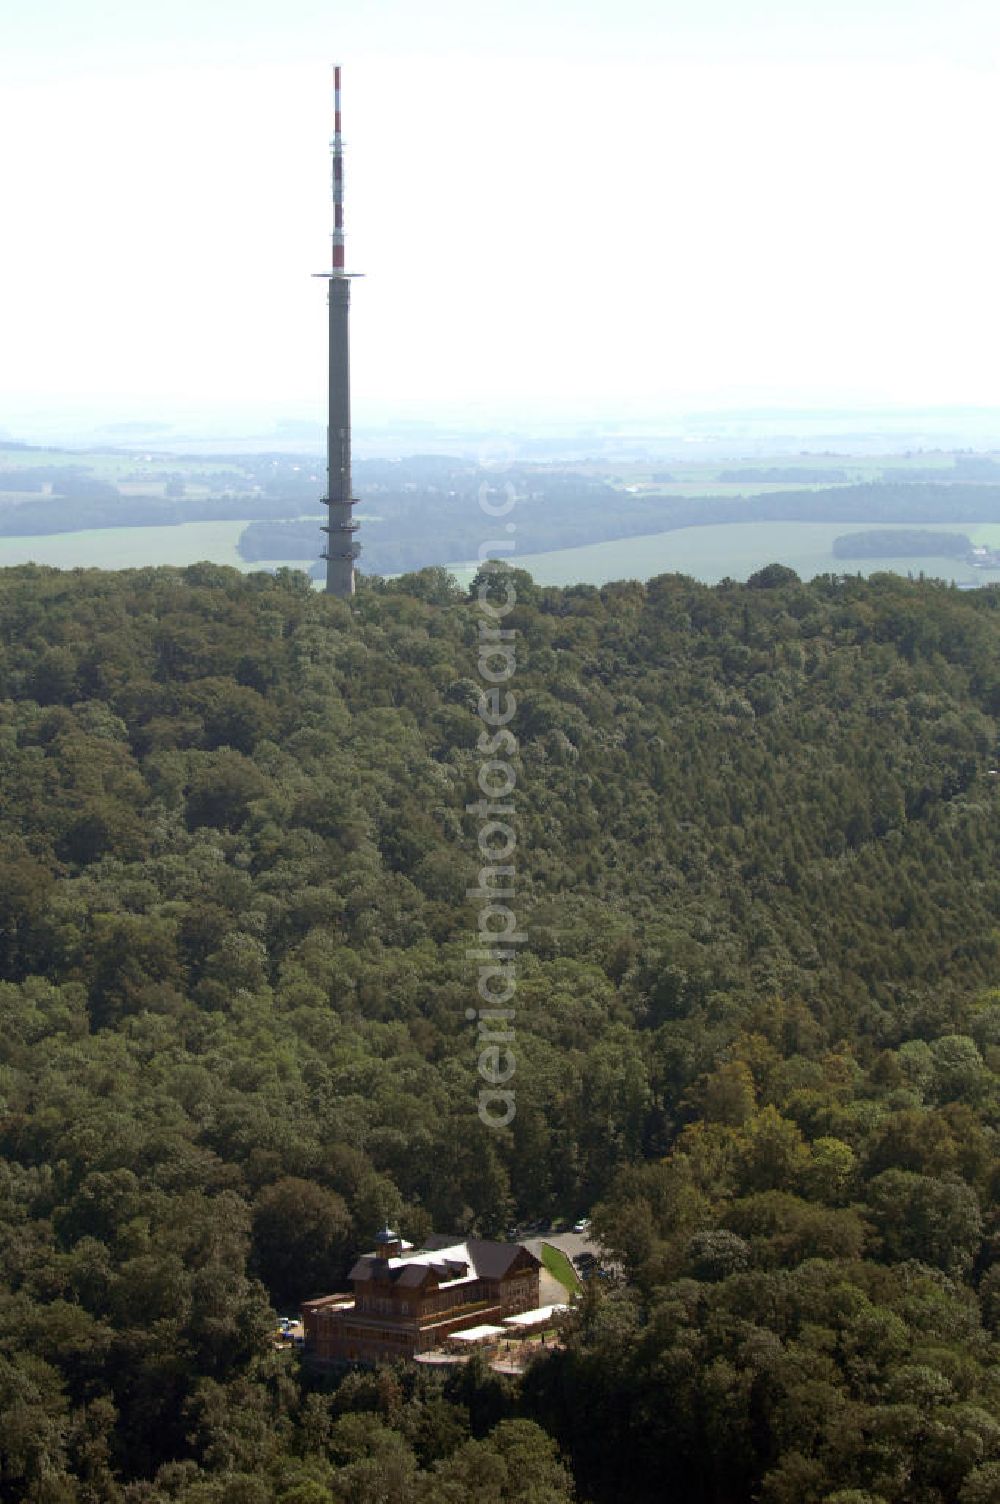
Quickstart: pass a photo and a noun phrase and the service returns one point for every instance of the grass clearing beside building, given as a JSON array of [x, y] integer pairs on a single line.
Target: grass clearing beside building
[[560, 1268]]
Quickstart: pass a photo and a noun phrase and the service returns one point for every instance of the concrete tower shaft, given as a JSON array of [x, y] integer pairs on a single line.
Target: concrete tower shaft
[[341, 550]]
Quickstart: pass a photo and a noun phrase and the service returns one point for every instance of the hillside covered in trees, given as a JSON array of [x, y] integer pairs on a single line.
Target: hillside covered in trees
[[758, 1032]]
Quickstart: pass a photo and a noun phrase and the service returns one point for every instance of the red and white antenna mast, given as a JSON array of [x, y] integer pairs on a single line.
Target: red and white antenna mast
[[337, 147]]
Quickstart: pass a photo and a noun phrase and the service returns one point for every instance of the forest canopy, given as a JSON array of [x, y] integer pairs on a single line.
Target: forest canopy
[[758, 1032], [903, 542]]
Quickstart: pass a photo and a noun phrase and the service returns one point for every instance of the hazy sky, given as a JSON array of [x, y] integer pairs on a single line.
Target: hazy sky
[[567, 208]]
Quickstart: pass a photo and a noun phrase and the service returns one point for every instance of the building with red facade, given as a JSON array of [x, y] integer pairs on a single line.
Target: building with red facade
[[405, 1301]]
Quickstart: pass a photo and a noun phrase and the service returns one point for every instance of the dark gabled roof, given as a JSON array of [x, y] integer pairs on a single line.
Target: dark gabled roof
[[488, 1259], [412, 1276], [376, 1270], [448, 1269], [494, 1260]]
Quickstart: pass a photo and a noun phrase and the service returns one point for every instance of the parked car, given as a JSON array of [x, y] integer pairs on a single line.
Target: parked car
[[582, 1225]]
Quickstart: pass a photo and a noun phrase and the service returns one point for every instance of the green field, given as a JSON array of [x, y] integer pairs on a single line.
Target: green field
[[707, 553], [710, 487], [736, 550], [112, 465], [702, 474], [128, 547]]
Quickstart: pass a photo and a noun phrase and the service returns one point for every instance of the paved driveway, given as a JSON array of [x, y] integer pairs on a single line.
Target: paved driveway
[[571, 1243], [550, 1291]]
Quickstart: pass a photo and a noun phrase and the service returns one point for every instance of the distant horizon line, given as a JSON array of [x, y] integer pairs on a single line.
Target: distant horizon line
[[401, 409], [737, 429]]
